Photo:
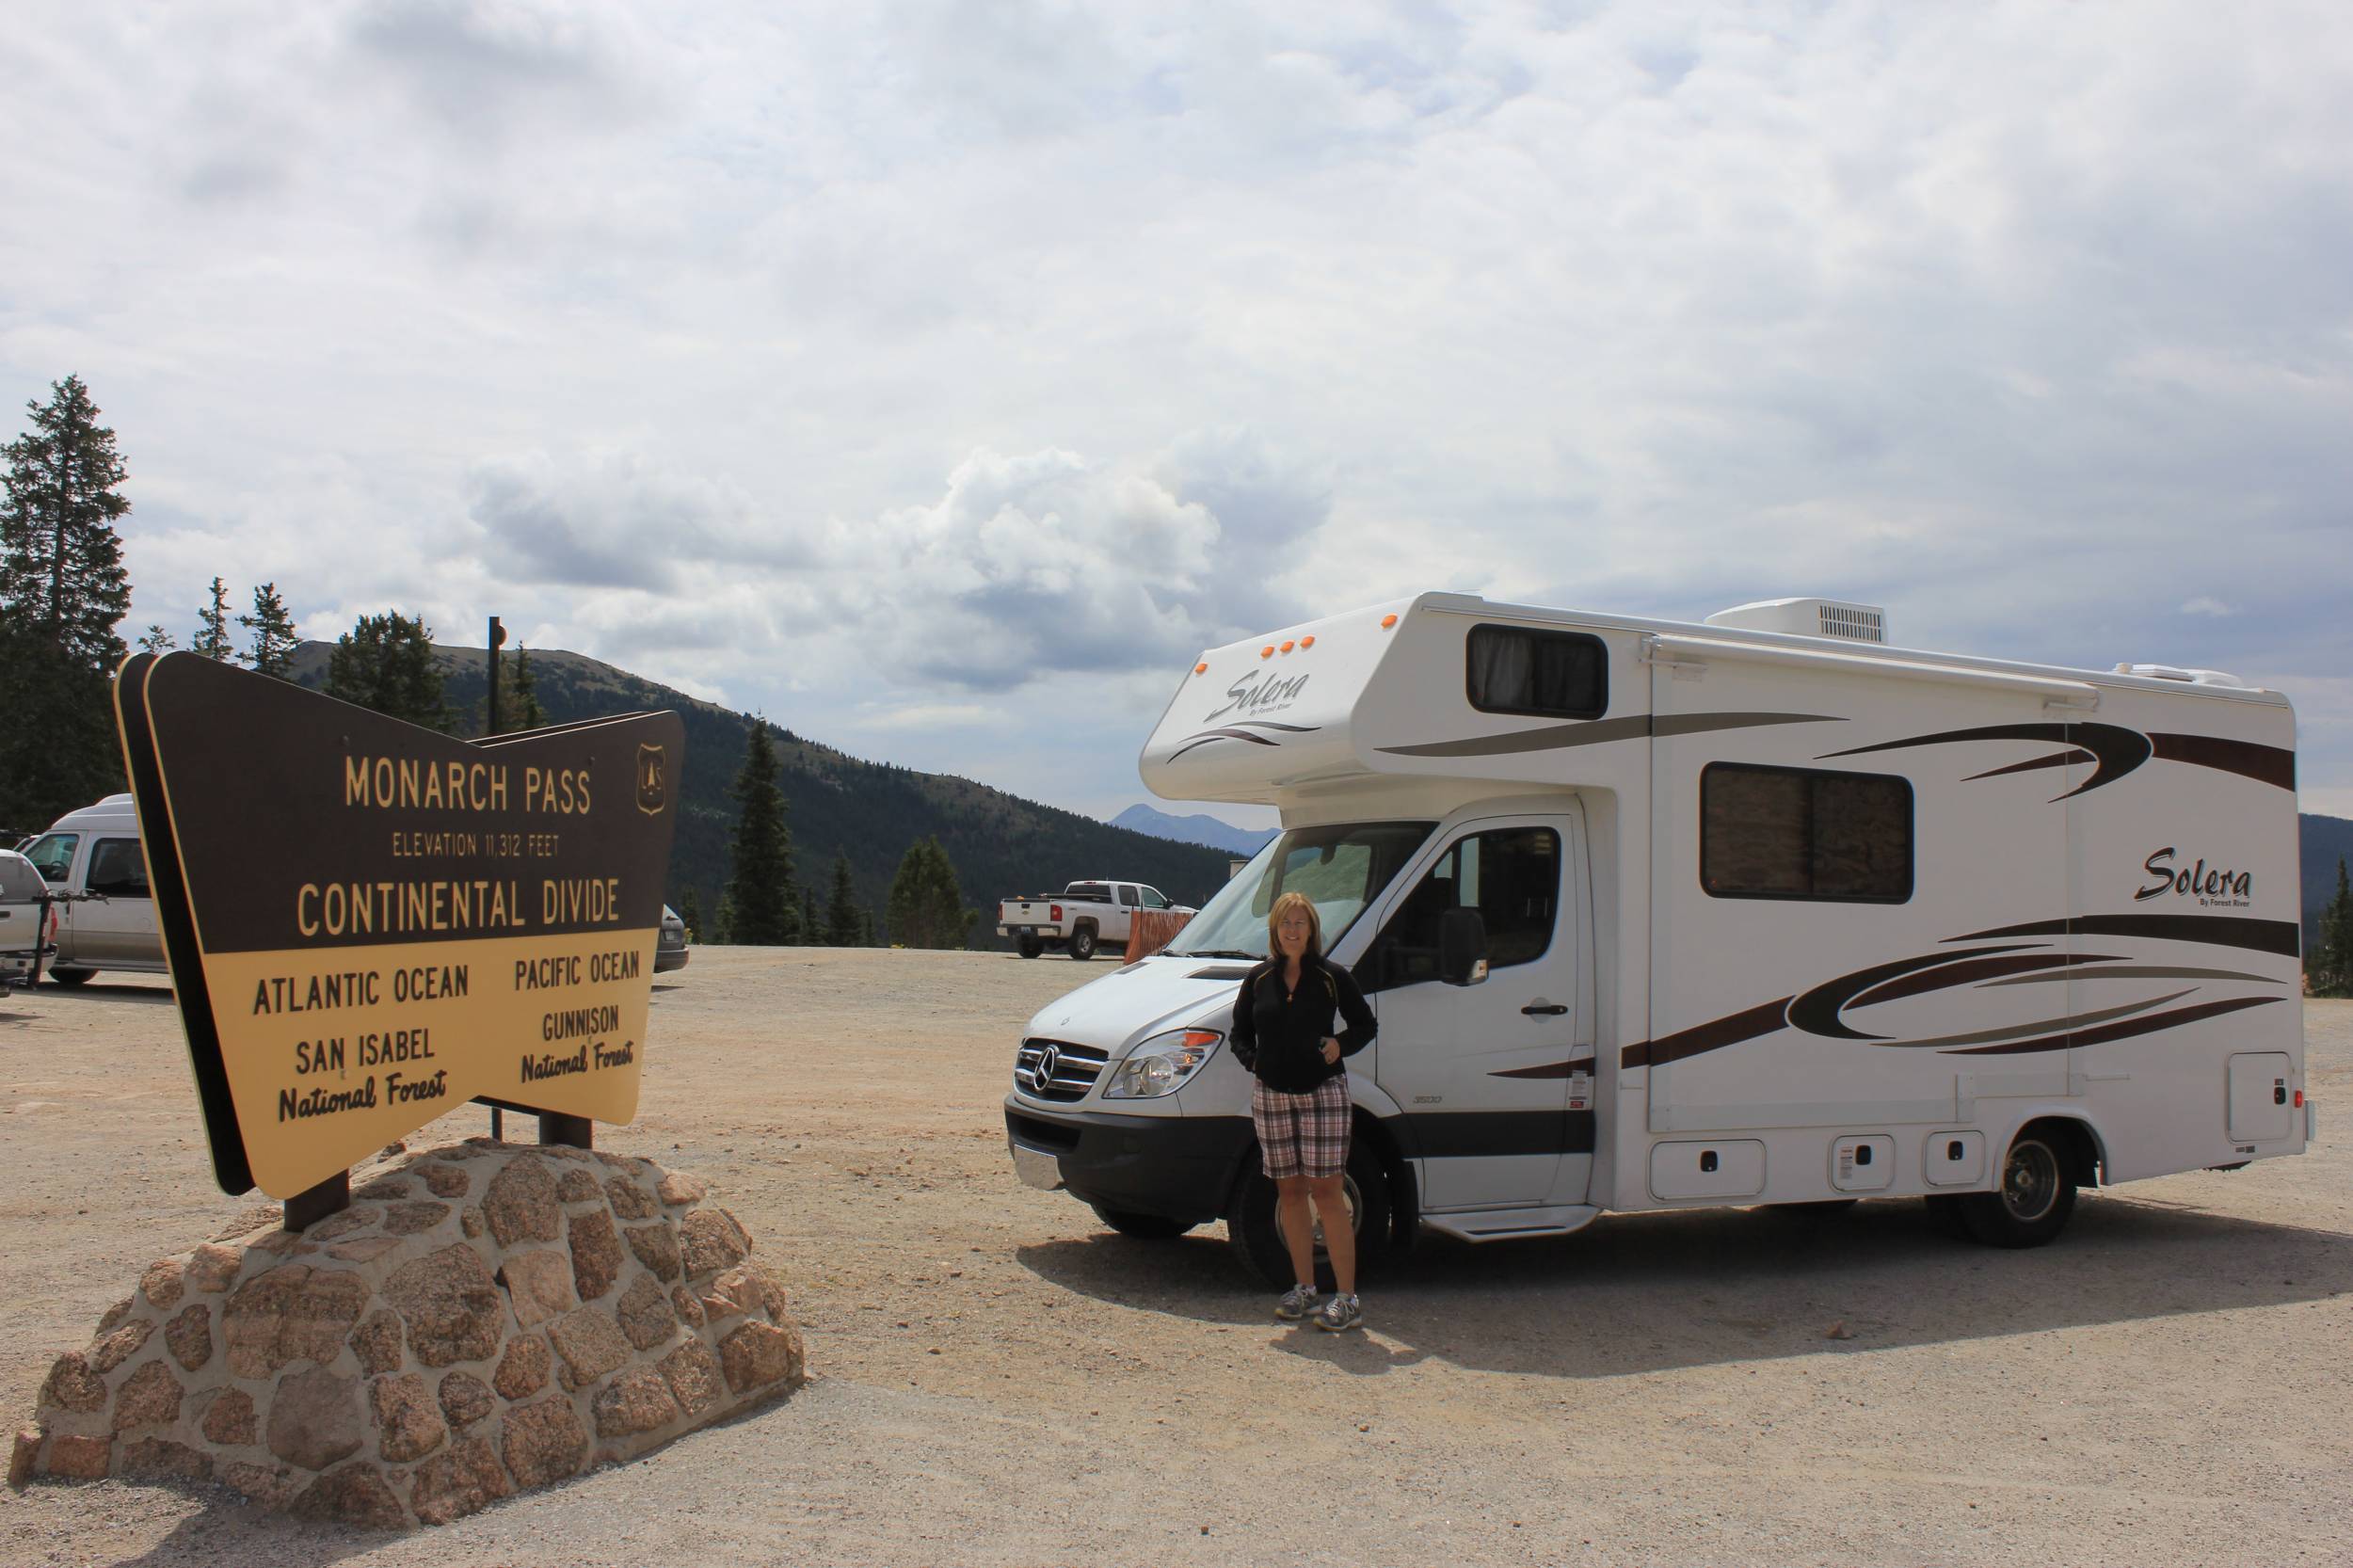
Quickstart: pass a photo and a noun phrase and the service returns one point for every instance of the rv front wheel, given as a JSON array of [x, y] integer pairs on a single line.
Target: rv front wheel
[[2036, 1196], [1258, 1234]]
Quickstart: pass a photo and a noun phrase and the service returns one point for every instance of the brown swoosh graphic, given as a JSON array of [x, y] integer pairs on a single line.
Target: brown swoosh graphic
[[2265, 764], [1557, 737]]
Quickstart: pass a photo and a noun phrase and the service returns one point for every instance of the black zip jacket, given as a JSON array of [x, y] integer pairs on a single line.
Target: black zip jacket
[[1279, 1033]]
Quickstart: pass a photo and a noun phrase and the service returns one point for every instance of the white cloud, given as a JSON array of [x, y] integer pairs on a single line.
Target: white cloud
[[895, 355]]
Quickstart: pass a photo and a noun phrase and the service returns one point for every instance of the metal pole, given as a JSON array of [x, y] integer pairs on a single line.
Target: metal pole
[[498, 640]]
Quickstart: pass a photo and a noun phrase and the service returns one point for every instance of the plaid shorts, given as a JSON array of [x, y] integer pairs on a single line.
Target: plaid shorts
[[1301, 1135]]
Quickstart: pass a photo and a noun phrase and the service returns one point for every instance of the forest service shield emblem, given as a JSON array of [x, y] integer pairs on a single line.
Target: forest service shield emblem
[[651, 795]]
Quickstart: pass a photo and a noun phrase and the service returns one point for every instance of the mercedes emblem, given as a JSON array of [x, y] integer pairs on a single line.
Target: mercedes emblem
[[1042, 1071]]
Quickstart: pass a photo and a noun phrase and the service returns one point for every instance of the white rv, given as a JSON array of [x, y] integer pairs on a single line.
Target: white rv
[[1657, 916]]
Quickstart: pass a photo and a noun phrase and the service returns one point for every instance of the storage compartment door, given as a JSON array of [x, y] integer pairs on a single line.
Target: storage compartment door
[[1723, 1168], [2263, 1108]]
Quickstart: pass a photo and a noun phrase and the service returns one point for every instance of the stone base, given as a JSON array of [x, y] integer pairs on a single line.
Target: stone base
[[483, 1319]]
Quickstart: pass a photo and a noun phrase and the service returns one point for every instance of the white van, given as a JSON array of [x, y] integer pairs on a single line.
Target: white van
[[1657, 916], [106, 917]]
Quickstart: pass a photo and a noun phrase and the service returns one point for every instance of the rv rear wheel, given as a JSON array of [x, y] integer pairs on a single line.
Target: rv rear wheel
[[2037, 1194], [71, 977], [1257, 1233], [1082, 942], [1145, 1228]]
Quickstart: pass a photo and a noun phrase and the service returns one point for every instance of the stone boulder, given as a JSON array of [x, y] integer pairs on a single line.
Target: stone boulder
[[409, 1361]]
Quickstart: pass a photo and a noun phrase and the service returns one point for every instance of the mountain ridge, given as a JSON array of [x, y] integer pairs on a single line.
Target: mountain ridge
[[1197, 828], [998, 842]]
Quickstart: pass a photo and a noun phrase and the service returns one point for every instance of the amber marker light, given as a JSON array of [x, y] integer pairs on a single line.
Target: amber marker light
[[1387, 621], [1267, 652], [1307, 642], [1288, 646], [1200, 669]]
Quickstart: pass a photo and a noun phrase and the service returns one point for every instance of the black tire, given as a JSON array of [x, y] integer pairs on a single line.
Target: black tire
[[70, 978], [2036, 1196], [1143, 1227], [1827, 1208], [1945, 1216], [1258, 1237], [1029, 947], [1082, 943]]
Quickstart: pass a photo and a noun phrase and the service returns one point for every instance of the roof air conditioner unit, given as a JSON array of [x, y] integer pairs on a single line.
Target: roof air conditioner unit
[[1808, 617]]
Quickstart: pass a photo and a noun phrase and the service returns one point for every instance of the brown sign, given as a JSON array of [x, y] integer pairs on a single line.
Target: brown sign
[[369, 923]]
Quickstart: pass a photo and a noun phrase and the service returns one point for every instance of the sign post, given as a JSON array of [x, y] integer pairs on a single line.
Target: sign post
[[369, 923]]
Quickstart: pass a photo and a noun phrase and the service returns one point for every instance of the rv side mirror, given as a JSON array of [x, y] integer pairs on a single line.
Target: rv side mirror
[[1462, 947]]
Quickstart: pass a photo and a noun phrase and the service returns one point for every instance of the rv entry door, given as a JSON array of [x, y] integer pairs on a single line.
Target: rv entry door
[[1484, 1073]]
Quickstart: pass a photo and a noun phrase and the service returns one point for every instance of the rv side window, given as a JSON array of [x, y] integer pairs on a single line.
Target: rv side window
[[1555, 675], [118, 868], [1793, 833], [1512, 876]]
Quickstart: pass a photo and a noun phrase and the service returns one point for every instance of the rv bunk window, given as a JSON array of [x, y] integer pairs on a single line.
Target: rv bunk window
[[1553, 675], [1794, 833]]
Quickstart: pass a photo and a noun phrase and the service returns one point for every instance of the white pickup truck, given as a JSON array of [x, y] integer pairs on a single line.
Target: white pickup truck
[[1084, 917]]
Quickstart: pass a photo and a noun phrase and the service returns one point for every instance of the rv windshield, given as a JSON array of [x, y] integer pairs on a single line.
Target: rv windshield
[[1342, 866]]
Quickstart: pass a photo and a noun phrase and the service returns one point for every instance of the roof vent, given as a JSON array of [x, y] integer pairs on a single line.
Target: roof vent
[[2174, 672], [1808, 617]]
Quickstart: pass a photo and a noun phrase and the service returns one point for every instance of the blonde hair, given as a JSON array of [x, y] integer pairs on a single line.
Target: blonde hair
[[1315, 926]]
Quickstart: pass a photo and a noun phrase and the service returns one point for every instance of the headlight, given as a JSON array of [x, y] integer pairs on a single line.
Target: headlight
[[1161, 1064]]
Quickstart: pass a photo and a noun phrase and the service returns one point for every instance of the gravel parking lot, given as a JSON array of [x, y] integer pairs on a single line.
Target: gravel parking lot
[[998, 1380]]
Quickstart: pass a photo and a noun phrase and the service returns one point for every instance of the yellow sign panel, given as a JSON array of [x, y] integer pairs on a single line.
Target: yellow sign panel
[[369, 923]]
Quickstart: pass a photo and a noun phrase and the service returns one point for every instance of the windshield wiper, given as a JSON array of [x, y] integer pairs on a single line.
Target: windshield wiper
[[1216, 952]]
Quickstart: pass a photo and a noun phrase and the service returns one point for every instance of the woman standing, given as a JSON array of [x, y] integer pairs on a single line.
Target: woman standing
[[1284, 1033]]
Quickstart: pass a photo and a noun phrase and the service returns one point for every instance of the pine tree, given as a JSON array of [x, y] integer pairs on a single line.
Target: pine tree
[[523, 690], [385, 662], [2332, 961], [62, 592], [812, 932], [155, 639], [212, 626], [723, 928], [274, 638], [60, 559], [766, 906], [690, 909], [926, 904], [844, 917], [866, 937]]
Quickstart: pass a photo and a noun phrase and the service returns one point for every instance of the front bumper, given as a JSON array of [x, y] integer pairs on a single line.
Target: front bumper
[[1182, 1167]]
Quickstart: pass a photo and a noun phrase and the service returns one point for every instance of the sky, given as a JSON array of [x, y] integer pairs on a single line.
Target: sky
[[938, 379]]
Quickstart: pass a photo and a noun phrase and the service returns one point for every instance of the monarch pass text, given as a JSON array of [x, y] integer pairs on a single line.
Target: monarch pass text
[[413, 783]]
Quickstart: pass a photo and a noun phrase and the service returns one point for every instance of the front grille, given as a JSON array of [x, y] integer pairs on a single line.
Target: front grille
[[1074, 1071]]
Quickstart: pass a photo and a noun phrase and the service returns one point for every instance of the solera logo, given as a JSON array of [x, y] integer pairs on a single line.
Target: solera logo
[[1258, 693], [2211, 889]]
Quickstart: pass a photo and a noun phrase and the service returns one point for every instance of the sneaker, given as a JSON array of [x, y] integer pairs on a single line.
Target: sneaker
[[1340, 1312], [1296, 1304]]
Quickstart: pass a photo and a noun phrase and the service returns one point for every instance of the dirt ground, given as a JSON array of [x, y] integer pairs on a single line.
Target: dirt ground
[[999, 1380]]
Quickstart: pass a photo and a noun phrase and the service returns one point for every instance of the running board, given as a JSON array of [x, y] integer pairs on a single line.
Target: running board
[[1500, 1225]]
